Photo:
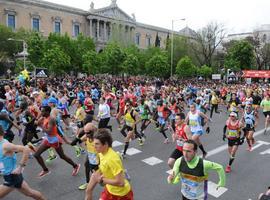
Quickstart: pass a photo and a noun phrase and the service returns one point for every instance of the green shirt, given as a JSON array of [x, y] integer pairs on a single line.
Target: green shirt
[[207, 165], [266, 105]]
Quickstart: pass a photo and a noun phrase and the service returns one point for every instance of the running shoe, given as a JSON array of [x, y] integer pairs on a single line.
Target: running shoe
[[123, 155], [51, 158], [141, 142], [83, 151], [77, 151], [43, 173], [166, 141], [228, 169], [76, 170], [249, 148], [83, 186], [204, 155]]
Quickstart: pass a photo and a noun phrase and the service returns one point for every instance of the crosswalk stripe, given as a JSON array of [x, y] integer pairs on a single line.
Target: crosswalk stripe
[[152, 161]]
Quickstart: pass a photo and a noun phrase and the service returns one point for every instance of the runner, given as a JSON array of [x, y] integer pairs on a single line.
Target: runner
[[13, 178], [233, 135], [250, 119], [194, 121], [193, 172], [265, 104], [111, 171], [53, 140], [92, 159], [181, 134]]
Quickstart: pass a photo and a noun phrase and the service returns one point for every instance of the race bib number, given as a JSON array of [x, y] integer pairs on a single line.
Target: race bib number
[[92, 157]]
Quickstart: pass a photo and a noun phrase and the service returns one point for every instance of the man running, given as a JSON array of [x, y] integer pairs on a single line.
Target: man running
[[181, 134], [193, 172], [52, 139], [13, 178]]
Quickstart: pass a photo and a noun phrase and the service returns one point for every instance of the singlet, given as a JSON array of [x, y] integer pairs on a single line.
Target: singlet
[[249, 119], [52, 137], [233, 130], [194, 122], [194, 181], [129, 119], [91, 152], [4, 123], [182, 137], [7, 163]]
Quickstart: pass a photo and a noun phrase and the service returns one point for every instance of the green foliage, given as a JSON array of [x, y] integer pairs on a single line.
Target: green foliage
[[56, 60], [131, 64], [114, 57], [205, 71], [7, 48], [185, 67], [91, 62], [158, 66], [240, 56], [35, 48]]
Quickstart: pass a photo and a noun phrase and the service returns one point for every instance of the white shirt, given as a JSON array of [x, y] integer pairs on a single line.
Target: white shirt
[[104, 111]]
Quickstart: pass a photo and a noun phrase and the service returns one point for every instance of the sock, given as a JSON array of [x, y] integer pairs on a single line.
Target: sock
[[126, 147], [51, 152], [231, 161], [202, 149]]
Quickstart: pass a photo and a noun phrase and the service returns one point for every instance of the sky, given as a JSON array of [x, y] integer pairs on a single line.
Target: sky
[[237, 16]]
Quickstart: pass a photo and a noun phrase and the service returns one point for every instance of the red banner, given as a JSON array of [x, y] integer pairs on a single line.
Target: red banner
[[256, 73]]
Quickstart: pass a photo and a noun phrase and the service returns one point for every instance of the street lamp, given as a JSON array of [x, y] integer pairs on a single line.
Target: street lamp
[[24, 53], [172, 44]]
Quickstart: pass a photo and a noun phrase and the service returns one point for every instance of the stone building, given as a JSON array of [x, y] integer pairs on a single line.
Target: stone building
[[100, 24]]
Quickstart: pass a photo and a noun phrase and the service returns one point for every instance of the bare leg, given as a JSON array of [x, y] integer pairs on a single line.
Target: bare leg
[[89, 190], [4, 190], [28, 191]]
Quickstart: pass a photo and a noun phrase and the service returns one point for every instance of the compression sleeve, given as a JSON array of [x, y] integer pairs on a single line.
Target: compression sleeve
[[208, 165]]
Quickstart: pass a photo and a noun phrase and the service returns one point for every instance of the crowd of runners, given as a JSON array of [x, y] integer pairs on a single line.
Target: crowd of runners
[[50, 113]]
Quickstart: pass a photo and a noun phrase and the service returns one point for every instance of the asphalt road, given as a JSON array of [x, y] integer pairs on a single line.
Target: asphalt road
[[147, 166]]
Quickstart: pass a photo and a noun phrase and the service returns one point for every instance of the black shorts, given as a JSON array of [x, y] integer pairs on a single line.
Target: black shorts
[[248, 128], [65, 116], [265, 197], [266, 113], [233, 142], [13, 180], [176, 154]]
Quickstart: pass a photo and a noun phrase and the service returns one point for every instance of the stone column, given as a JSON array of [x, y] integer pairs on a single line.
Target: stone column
[[104, 31], [90, 28], [97, 29]]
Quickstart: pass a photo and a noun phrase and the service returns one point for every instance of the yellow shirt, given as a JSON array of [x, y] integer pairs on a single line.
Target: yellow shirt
[[111, 165], [80, 114], [129, 119], [91, 152]]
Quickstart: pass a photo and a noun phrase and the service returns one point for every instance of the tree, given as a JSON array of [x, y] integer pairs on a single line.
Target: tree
[[205, 71], [91, 62], [185, 67], [81, 45], [114, 56], [131, 64], [35, 48], [261, 50], [206, 41], [158, 66], [240, 56], [56, 60]]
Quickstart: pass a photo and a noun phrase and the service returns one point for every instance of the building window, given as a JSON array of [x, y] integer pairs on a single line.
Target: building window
[[11, 21], [148, 40], [137, 39], [76, 30], [57, 27], [35, 24]]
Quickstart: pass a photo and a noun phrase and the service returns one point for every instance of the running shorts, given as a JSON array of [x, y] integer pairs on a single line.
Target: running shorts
[[105, 195], [13, 180]]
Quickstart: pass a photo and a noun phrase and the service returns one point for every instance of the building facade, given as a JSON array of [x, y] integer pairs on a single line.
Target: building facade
[[100, 24]]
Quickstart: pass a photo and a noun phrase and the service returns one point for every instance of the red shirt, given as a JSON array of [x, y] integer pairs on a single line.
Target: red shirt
[[181, 136]]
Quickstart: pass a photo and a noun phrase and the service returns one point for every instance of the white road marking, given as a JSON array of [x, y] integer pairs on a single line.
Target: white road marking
[[225, 146], [212, 189], [116, 143], [133, 151], [152, 161], [260, 143]]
